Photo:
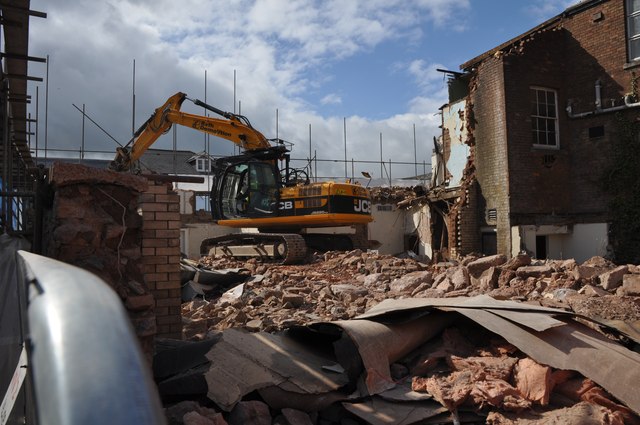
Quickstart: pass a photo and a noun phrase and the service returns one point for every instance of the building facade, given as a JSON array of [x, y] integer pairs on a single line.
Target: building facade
[[533, 136]]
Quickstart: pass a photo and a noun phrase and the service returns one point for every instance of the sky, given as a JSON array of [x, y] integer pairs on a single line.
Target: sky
[[335, 78]]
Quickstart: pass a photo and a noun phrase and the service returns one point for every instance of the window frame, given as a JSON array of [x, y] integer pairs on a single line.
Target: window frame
[[556, 117], [631, 14], [201, 165]]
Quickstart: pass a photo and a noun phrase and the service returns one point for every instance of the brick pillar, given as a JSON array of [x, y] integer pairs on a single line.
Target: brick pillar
[[94, 224], [469, 238], [161, 255]]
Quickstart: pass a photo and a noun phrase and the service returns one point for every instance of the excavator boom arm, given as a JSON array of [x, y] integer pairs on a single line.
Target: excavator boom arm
[[232, 129]]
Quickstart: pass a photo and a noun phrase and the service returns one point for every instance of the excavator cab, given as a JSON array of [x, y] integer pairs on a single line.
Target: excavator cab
[[249, 190], [246, 186]]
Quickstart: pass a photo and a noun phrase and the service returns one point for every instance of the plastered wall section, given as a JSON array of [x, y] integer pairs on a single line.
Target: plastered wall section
[[388, 229], [580, 241], [160, 208]]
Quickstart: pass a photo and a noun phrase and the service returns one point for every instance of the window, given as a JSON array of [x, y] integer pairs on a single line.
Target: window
[[201, 164], [633, 29], [544, 117]]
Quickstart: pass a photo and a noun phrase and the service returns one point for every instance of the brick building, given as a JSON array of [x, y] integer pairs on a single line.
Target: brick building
[[531, 133]]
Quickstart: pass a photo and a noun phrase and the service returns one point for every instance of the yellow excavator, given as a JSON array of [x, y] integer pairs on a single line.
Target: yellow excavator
[[251, 190]]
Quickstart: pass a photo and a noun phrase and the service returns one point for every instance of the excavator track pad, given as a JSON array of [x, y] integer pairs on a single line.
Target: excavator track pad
[[282, 248]]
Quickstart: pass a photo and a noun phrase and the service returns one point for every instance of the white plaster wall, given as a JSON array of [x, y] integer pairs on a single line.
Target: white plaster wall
[[586, 241], [194, 233], [388, 229], [419, 220], [581, 242]]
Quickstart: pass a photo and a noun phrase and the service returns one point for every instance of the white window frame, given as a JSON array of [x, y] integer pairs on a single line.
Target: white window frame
[[543, 116], [633, 38], [201, 164]]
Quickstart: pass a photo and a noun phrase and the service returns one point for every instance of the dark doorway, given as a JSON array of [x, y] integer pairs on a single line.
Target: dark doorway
[[411, 243], [489, 243], [541, 247]]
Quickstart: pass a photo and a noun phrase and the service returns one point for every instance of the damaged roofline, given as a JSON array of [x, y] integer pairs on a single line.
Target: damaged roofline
[[573, 10]]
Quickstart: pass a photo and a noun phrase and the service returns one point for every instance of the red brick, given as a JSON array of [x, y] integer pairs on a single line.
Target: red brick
[[146, 197], [168, 251], [153, 207], [161, 311], [168, 302], [168, 268], [157, 189], [160, 294], [158, 259], [167, 216], [148, 268], [168, 284], [154, 243], [156, 277], [168, 198], [148, 251], [169, 320], [169, 234], [174, 224], [154, 225]]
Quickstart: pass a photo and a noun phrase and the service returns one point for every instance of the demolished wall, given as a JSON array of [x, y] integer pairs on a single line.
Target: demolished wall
[[122, 228]]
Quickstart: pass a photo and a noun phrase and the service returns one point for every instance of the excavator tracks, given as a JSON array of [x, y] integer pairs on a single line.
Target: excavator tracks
[[281, 248]]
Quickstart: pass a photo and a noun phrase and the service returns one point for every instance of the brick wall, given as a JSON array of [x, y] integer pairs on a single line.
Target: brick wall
[[533, 185], [548, 185], [161, 255], [490, 132]]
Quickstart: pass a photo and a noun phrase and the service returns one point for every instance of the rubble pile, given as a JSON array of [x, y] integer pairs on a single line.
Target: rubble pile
[[573, 323], [342, 285], [395, 194]]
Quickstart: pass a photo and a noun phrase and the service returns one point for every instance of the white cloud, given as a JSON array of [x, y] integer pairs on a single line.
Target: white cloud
[[331, 99], [272, 45], [545, 9]]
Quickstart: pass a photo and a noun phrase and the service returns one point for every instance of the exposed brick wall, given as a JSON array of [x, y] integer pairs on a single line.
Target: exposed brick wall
[[570, 60], [161, 255], [533, 185], [491, 162]]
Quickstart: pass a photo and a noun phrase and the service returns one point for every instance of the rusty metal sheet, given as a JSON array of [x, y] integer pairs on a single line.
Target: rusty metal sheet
[[243, 362], [377, 411], [379, 344], [481, 301], [573, 347]]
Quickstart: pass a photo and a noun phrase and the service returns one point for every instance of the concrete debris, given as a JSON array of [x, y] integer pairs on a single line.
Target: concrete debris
[[497, 368], [342, 285], [397, 194]]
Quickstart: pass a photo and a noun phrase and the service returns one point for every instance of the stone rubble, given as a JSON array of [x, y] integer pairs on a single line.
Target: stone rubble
[[458, 372], [343, 285]]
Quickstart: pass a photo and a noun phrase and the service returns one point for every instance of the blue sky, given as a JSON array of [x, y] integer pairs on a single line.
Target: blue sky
[[317, 63]]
